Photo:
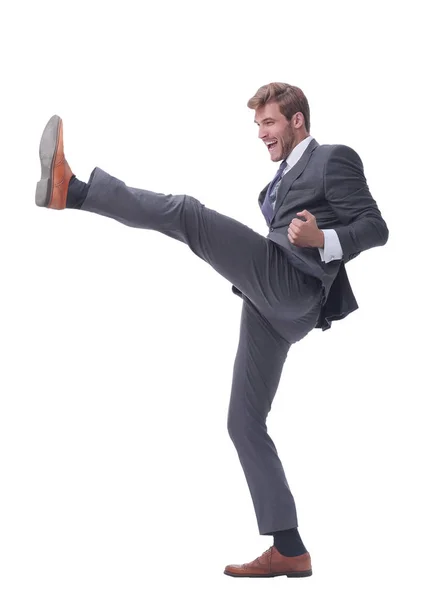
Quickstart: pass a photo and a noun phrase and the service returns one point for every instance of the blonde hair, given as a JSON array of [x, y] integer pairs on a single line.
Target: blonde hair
[[289, 98]]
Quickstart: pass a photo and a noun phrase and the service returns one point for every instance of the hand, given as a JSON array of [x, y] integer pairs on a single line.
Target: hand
[[305, 234]]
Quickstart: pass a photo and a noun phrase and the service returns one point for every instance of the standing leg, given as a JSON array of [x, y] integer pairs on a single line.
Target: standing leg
[[257, 370], [258, 367]]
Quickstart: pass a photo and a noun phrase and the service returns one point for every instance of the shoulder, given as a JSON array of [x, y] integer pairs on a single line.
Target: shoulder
[[330, 150], [337, 151], [340, 155]]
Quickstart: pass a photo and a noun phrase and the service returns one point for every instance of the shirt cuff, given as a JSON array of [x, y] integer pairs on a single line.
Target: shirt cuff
[[332, 248]]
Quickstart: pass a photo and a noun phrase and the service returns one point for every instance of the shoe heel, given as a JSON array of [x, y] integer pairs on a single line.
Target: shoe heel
[[300, 574], [43, 191]]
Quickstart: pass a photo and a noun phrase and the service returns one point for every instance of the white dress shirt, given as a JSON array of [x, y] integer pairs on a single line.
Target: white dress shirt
[[332, 248]]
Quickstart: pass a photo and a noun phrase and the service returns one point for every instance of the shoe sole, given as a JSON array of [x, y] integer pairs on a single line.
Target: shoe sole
[[292, 574], [47, 151]]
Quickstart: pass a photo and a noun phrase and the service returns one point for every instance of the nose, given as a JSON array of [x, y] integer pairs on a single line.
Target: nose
[[262, 133]]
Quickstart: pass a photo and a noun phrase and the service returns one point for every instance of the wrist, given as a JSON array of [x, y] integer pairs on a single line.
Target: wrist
[[320, 239]]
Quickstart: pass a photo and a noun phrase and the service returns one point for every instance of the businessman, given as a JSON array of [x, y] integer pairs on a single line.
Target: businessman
[[320, 214]]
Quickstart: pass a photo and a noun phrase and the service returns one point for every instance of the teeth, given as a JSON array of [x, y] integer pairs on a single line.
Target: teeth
[[270, 143]]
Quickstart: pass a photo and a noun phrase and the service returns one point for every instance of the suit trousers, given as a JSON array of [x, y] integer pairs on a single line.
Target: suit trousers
[[281, 305]]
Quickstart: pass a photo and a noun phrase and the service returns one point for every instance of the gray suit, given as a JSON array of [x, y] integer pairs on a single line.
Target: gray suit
[[286, 290]]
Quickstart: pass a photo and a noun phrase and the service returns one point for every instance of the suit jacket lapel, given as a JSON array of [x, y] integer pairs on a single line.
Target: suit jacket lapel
[[294, 173], [290, 177]]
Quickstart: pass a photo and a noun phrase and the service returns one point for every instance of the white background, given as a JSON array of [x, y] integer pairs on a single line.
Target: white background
[[118, 477]]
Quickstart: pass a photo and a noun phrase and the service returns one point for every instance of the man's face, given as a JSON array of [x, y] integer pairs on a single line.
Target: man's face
[[275, 131]]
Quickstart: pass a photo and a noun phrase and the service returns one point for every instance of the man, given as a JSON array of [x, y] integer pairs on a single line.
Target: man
[[320, 215]]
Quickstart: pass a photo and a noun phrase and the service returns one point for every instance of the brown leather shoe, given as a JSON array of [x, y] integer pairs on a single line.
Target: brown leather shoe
[[273, 564], [51, 190]]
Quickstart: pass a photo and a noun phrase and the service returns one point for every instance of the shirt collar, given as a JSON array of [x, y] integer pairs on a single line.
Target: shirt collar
[[298, 151]]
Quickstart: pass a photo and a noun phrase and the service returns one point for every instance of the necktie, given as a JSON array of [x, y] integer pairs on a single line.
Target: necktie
[[267, 209]]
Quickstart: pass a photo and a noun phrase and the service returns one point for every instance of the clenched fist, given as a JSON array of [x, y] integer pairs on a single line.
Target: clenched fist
[[305, 234]]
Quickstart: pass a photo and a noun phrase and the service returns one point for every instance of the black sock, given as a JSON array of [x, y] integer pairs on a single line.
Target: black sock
[[289, 543], [77, 193]]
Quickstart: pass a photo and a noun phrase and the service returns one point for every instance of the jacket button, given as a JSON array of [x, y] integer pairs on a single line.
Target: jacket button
[[271, 229]]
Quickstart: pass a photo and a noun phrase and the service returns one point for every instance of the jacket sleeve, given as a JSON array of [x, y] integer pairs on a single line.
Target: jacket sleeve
[[347, 193]]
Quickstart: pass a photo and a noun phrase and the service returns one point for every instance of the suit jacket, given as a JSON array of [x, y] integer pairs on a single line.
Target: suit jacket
[[329, 182]]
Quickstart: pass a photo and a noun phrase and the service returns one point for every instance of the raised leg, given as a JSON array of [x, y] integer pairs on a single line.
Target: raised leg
[[251, 262]]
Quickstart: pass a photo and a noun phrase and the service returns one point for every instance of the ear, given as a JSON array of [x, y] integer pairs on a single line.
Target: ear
[[298, 120]]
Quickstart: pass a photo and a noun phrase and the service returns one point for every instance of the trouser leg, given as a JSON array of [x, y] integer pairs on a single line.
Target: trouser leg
[[258, 366], [251, 262]]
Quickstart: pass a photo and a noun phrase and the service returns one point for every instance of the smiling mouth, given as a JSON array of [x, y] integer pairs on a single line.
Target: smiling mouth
[[271, 146]]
